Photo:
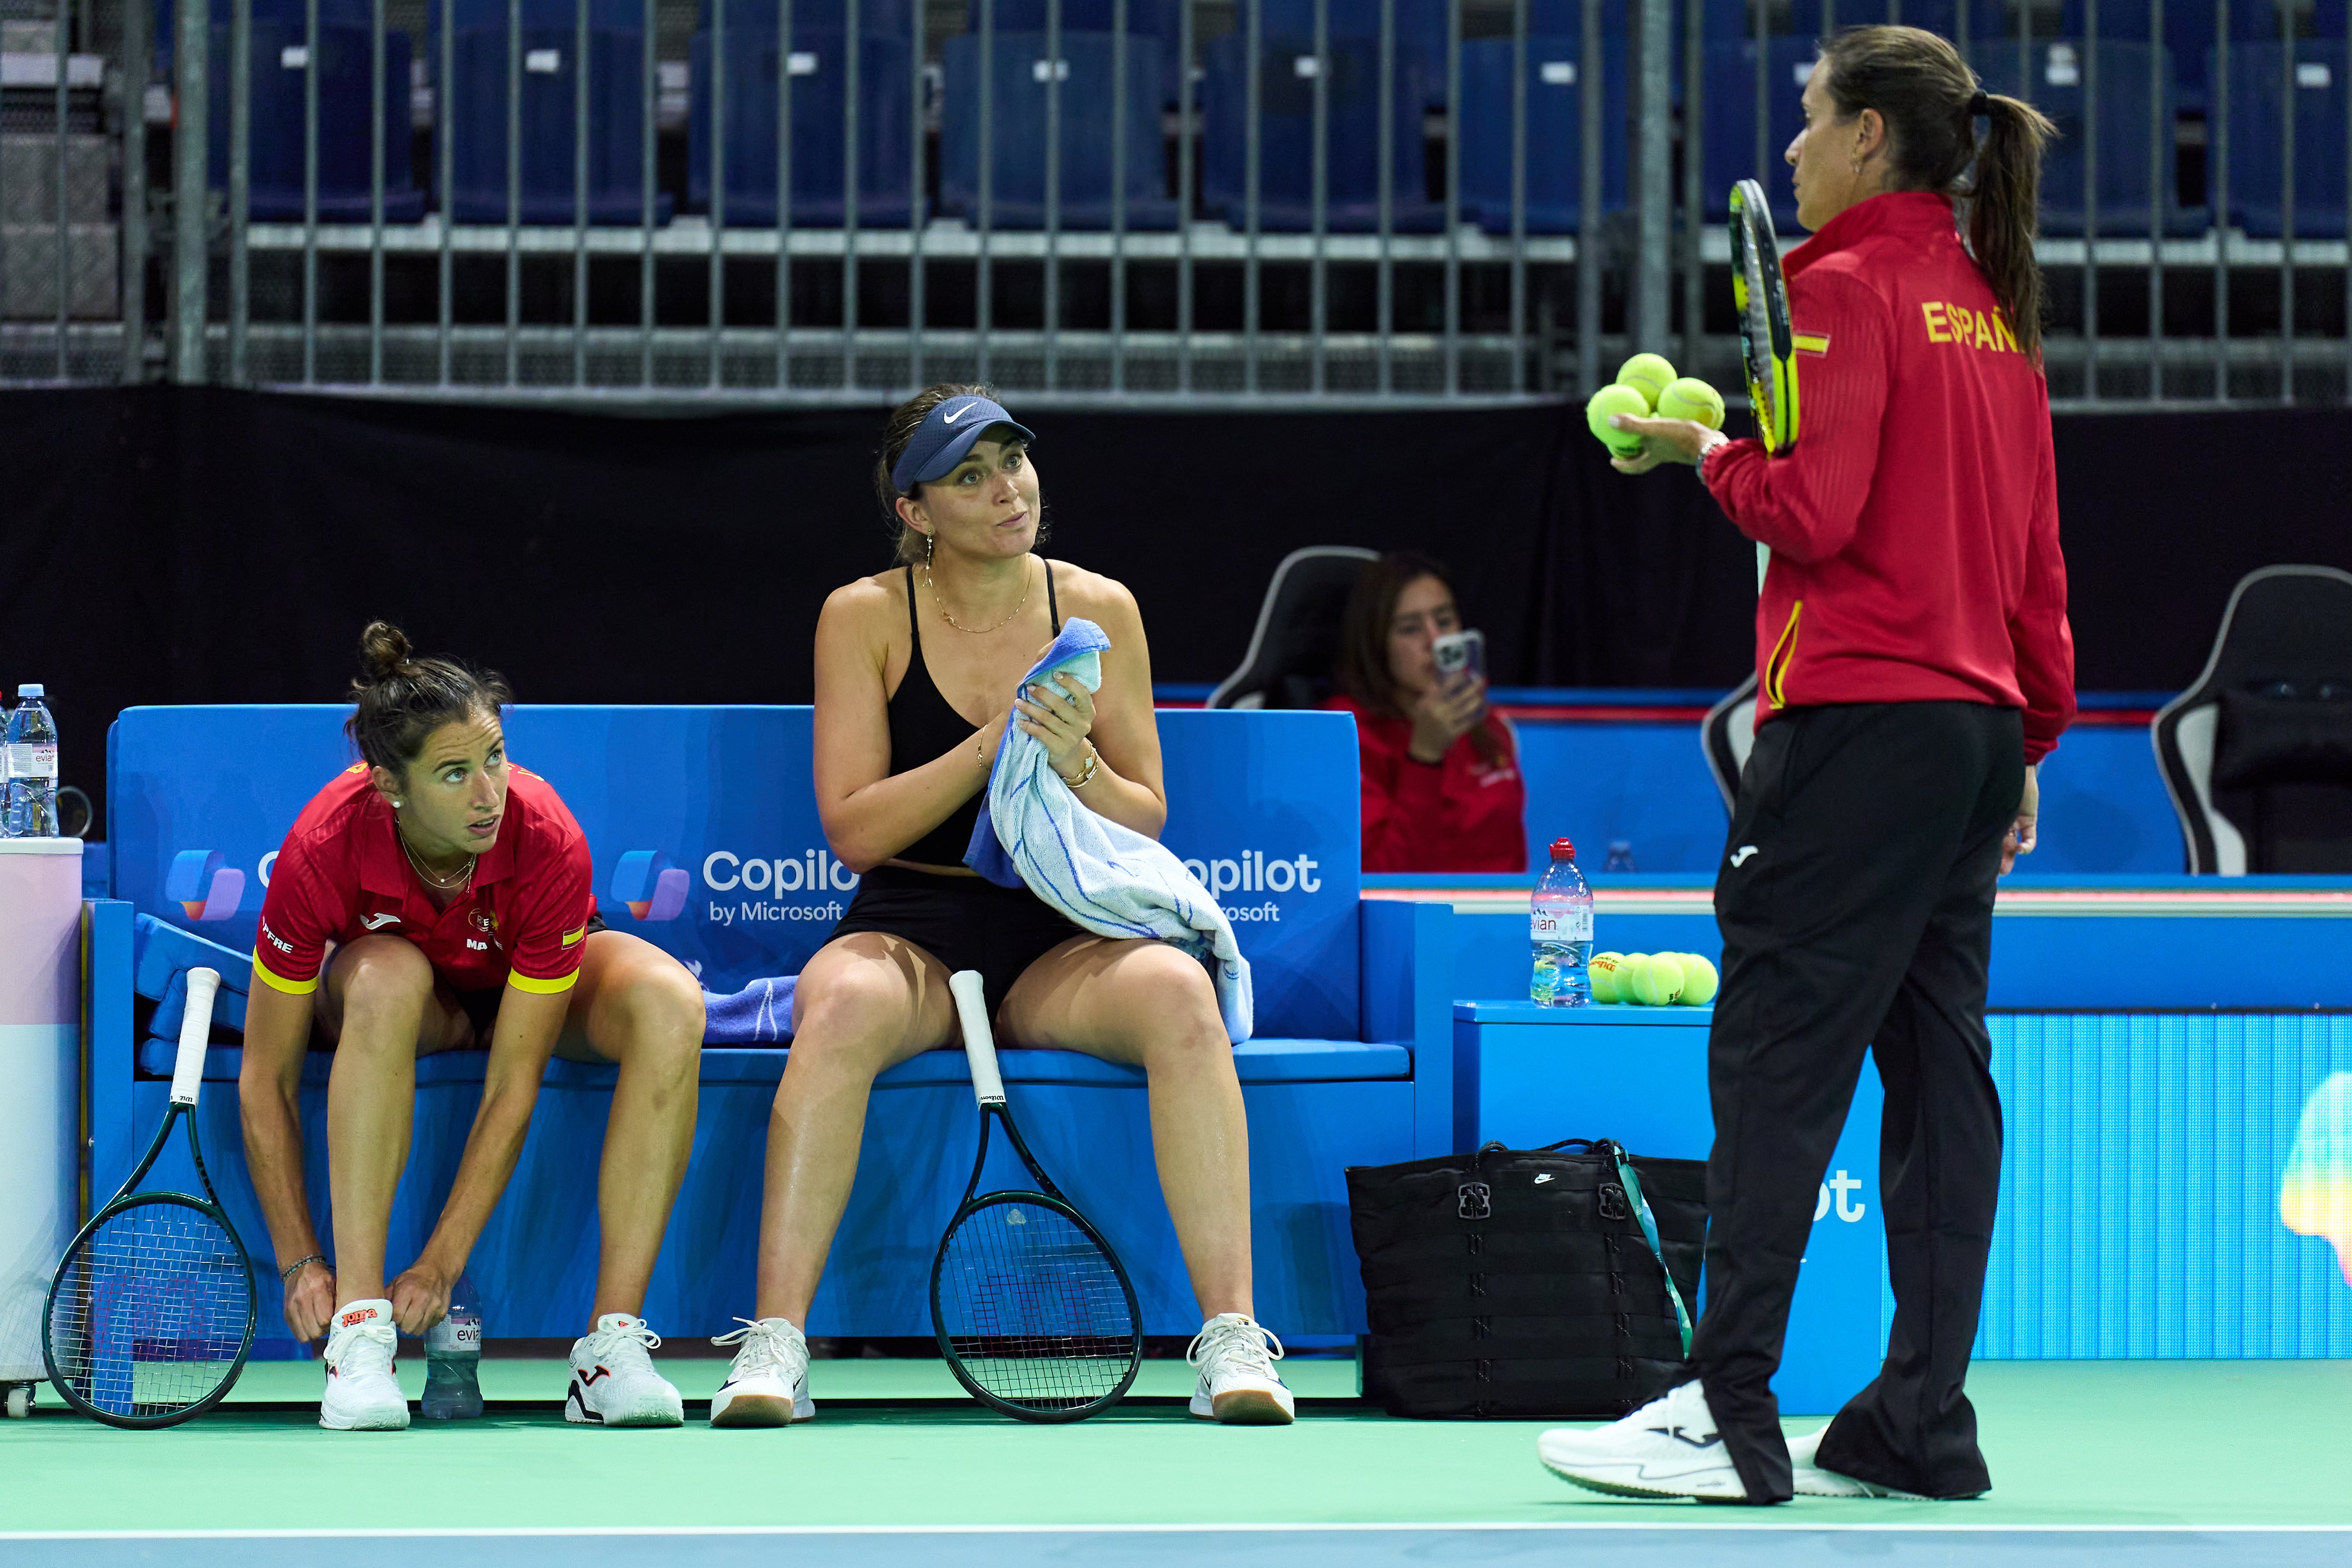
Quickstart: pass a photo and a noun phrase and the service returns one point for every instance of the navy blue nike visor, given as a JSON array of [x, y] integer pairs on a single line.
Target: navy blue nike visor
[[945, 438]]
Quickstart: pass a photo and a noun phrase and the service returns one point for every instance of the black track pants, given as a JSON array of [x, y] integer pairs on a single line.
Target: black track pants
[[1855, 900]]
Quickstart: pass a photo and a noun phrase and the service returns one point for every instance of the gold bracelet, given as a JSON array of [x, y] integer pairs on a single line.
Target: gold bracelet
[[1086, 775], [975, 747]]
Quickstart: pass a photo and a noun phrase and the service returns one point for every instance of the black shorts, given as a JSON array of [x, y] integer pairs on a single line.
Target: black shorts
[[482, 1005], [965, 922]]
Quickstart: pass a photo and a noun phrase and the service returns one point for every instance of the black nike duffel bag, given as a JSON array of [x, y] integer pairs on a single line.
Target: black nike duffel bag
[[1525, 1283]]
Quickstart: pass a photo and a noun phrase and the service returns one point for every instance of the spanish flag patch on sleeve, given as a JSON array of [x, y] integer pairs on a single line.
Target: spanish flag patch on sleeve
[[1810, 342], [570, 937]]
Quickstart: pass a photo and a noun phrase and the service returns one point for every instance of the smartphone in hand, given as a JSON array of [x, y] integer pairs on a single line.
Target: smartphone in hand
[[1460, 656]]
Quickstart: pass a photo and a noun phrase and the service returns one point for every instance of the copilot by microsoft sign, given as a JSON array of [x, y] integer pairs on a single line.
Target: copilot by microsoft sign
[[813, 873]]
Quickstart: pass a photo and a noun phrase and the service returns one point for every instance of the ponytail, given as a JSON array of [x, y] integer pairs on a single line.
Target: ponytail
[[1930, 100]]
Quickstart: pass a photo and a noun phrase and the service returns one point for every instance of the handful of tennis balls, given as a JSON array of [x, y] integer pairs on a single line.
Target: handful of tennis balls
[[1653, 979], [1647, 384]]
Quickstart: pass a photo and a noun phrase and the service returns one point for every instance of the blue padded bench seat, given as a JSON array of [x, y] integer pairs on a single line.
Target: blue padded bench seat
[[1259, 1061]]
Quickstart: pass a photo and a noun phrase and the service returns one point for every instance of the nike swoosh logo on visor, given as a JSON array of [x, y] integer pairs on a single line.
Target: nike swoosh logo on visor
[[960, 413]]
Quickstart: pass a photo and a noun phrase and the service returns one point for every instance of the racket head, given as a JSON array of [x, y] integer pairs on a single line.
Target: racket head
[[151, 1314], [1760, 298], [1033, 1310]]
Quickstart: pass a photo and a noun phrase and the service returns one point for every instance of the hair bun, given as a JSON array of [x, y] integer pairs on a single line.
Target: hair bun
[[383, 651]]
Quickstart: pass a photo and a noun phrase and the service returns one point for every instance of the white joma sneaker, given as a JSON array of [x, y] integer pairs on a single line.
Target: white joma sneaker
[[1669, 1448], [362, 1396], [1237, 1385], [1807, 1478], [614, 1382], [768, 1383]]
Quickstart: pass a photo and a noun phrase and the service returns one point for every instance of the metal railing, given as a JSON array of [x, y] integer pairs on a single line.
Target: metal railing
[[485, 272]]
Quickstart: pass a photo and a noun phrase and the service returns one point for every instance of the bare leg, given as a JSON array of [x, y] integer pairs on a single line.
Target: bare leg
[[636, 1005], [1147, 1004], [863, 1003]]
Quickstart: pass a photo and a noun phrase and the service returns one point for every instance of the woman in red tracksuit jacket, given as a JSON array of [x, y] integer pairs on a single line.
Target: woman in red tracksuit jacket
[[1915, 664]]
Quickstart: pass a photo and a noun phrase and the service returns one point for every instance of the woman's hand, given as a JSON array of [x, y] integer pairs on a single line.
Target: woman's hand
[[1059, 712], [420, 1297], [1442, 715], [310, 1301], [2023, 833], [1663, 441]]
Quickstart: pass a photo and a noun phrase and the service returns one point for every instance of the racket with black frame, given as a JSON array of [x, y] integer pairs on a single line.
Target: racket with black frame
[[1767, 347], [1031, 1308], [152, 1313]]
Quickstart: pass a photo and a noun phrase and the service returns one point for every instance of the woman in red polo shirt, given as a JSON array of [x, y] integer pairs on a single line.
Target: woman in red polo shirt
[[1440, 769], [435, 897]]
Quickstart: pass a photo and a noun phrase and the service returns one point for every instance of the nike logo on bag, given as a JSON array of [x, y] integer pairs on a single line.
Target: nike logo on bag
[[958, 414], [1739, 857], [377, 922]]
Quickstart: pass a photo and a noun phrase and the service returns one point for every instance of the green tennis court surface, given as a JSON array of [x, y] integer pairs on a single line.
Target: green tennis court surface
[[2150, 1458]]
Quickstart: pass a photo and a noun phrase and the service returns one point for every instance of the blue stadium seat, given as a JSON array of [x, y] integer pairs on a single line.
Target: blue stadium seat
[[1728, 86], [1017, 132], [819, 86], [1162, 20], [2056, 89], [476, 112], [279, 79], [2188, 30], [1554, 139], [1286, 124], [2258, 105]]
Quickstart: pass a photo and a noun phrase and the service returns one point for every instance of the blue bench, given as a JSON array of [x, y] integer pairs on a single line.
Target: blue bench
[[1352, 1064]]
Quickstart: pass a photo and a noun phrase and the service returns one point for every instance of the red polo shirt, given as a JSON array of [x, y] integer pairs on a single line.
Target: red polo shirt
[[343, 875], [1914, 526], [1461, 814]]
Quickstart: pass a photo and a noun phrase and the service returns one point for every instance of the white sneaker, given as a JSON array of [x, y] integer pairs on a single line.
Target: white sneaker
[[1669, 1448], [614, 1382], [1237, 1384], [1809, 1479], [768, 1384], [362, 1394]]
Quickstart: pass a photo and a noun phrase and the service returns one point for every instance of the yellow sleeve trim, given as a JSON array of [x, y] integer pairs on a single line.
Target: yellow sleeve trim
[[291, 987], [542, 987], [573, 936]]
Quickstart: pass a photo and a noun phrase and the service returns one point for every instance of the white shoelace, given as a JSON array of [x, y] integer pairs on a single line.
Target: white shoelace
[[366, 1350], [1231, 1343], [770, 1346], [615, 1344]]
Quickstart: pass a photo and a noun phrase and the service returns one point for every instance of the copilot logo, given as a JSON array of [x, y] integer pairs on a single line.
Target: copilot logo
[[813, 873], [648, 886], [201, 882], [1253, 871]]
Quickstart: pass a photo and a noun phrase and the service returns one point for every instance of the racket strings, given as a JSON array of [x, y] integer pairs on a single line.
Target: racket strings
[[1034, 1308], [151, 1310]]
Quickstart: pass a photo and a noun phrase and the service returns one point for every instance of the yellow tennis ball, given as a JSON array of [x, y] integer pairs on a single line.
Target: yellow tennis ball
[[1630, 966], [1611, 400], [1649, 375], [1602, 973], [1699, 981], [1661, 980], [1691, 399]]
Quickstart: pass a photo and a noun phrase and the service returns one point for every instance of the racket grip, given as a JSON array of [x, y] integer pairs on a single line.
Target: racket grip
[[978, 1043], [195, 1029]]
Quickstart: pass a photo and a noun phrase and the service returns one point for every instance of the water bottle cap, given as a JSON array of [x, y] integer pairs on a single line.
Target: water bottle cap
[[30, 689], [1563, 850]]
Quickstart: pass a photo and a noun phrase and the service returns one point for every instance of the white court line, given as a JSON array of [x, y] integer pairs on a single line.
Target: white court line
[[1291, 1527]]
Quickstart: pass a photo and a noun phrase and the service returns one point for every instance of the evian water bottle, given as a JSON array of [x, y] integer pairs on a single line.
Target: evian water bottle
[[453, 1359], [1560, 931]]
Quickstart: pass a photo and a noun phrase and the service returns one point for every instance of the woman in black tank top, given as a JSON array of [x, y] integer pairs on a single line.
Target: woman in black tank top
[[915, 668]]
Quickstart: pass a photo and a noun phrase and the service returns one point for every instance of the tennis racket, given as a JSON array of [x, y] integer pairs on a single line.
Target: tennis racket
[[1762, 302], [1033, 1310], [151, 1314]]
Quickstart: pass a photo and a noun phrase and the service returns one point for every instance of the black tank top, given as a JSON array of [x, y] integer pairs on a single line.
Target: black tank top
[[924, 726]]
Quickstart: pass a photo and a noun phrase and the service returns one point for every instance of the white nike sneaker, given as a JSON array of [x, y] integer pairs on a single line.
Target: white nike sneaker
[[362, 1394], [1237, 1384], [768, 1383], [1809, 1479], [1669, 1448], [614, 1382]]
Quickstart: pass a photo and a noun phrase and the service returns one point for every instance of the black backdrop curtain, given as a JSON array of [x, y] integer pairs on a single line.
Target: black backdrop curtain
[[196, 545]]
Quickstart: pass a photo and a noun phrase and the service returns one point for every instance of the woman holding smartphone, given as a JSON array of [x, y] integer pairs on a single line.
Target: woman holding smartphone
[[1442, 788]]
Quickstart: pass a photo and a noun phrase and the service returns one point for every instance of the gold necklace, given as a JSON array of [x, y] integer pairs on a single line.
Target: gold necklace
[[449, 885], [933, 584]]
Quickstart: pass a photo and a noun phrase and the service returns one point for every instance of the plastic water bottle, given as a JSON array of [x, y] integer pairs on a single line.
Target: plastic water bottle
[[32, 740], [1560, 931], [453, 1359]]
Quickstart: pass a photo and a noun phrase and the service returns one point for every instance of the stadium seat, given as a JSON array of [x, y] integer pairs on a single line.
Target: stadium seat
[[2056, 88], [1286, 141], [1017, 105], [277, 81], [1295, 644], [2258, 106], [819, 80], [1555, 133], [2257, 755], [1726, 735], [1814, 18], [1161, 20], [2188, 31], [1728, 105], [1418, 28], [476, 114]]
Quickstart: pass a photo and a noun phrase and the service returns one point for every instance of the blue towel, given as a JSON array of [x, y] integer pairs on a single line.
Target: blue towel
[[758, 1015], [1110, 880]]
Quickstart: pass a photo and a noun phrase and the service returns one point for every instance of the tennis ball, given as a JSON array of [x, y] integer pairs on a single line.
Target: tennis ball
[[1611, 400], [1602, 973], [1630, 967], [1691, 399], [1661, 980], [1649, 375], [1699, 981]]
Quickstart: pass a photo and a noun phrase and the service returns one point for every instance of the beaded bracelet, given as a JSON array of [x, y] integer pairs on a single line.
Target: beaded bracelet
[[287, 1274]]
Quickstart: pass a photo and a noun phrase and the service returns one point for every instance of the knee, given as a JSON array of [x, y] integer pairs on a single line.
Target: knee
[[851, 1015], [382, 973], [1172, 1001], [661, 1012]]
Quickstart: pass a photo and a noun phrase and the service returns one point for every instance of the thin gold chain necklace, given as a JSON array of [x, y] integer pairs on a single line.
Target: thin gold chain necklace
[[449, 885], [948, 616]]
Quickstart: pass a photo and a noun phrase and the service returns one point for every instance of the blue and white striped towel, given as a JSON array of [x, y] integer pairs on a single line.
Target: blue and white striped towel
[[1110, 880]]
